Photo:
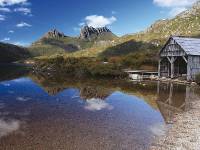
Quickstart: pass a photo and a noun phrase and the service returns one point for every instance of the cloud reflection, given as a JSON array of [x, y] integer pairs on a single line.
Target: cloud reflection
[[23, 99], [158, 129], [7, 127], [97, 105], [5, 84]]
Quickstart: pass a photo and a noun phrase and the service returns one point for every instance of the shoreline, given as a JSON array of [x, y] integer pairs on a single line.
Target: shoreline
[[184, 134]]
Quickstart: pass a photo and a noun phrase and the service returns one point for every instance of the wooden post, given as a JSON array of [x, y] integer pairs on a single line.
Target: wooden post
[[159, 71], [172, 60], [172, 69]]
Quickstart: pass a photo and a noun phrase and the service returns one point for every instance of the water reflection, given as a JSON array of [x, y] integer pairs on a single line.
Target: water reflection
[[173, 99], [97, 105], [9, 126], [50, 113]]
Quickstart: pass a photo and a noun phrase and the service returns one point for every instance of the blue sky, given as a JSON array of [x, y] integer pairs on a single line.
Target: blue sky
[[24, 21]]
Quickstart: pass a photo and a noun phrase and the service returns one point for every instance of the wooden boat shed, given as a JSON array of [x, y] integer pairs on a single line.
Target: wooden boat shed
[[180, 57]]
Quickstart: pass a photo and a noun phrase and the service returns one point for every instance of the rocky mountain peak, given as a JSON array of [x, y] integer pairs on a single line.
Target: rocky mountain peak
[[88, 33], [54, 33]]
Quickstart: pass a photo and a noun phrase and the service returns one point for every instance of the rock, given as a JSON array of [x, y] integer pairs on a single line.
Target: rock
[[54, 34], [88, 33]]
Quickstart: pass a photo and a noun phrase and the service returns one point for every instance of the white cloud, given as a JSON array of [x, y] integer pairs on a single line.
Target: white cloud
[[99, 21], [23, 24], [2, 17], [175, 6], [4, 9], [6, 39], [25, 11], [174, 3], [11, 2], [11, 31]]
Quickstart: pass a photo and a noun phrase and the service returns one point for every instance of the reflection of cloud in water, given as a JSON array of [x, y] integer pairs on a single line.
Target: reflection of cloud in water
[[97, 104], [7, 127], [75, 96], [23, 99], [5, 84], [158, 129], [20, 80]]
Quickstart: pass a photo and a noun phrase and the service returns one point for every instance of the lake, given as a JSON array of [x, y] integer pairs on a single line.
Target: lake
[[38, 112]]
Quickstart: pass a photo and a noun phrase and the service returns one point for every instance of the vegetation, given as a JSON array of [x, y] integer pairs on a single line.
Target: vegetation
[[78, 67], [49, 46], [11, 53]]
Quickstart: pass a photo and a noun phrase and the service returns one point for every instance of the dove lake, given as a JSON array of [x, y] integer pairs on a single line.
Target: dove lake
[[38, 112]]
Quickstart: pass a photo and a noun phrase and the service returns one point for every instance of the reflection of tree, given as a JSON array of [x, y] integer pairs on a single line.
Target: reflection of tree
[[89, 92]]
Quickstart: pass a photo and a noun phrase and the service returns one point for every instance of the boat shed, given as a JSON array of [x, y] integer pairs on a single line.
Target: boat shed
[[180, 57]]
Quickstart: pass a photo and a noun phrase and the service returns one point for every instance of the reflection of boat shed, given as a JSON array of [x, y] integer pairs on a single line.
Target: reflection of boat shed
[[180, 57], [141, 74]]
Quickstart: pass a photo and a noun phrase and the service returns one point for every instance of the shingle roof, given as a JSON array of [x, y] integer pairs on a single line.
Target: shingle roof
[[190, 45]]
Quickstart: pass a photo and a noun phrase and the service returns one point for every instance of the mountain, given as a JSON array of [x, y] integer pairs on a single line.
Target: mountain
[[11, 53], [55, 42], [54, 34], [186, 23], [90, 33]]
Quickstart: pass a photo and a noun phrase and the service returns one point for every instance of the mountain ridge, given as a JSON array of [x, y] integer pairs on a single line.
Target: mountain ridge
[[11, 53], [57, 42]]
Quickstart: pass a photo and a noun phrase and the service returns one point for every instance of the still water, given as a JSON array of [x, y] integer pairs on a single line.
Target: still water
[[39, 113]]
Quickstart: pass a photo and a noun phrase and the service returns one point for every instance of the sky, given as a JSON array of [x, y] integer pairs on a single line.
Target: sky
[[25, 21]]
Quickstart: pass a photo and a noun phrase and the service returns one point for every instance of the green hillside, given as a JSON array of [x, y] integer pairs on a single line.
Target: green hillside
[[12, 53]]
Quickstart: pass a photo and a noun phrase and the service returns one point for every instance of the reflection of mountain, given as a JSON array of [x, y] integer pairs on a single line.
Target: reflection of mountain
[[89, 92], [97, 88], [12, 71]]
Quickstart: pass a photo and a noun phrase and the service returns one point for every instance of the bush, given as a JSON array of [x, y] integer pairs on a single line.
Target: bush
[[80, 67], [198, 78]]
